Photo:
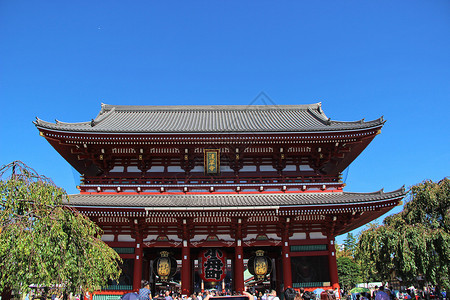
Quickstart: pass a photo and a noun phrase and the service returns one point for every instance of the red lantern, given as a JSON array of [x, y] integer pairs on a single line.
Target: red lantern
[[213, 263]]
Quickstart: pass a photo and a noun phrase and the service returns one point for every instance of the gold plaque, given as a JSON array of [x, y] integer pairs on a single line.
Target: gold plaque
[[212, 161]]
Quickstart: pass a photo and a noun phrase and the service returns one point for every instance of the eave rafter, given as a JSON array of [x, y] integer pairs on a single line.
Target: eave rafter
[[332, 220], [97, 154]]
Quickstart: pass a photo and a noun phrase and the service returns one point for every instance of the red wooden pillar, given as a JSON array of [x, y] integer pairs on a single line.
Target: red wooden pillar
[[239, 260], [185, 261], [137, 274], [332, 264], [239, 267], [286, 257], [185, 269]]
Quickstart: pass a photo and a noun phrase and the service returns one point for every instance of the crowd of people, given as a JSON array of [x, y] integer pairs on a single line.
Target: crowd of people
[[379, 293], [145, 294], [382, 293]]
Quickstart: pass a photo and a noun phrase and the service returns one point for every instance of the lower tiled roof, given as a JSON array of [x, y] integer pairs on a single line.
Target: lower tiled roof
[[229, 200]]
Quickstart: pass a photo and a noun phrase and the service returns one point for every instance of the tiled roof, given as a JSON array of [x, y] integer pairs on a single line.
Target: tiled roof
[[229, 200], [209, 119]]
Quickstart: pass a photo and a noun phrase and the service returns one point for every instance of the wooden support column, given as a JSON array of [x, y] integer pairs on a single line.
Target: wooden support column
[[332, 264], [185, 269], [286, 257], [185, 262], [138, 252], [239, 260]]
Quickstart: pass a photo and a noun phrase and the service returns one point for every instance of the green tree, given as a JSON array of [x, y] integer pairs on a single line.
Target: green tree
[[350, 243], [43, 241], [415, 241], [348, 271]]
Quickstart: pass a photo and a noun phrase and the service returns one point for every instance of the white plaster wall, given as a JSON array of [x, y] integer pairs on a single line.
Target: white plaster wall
[[125, 238], [225, 169], [225, 237], [290, 168], [266, 168], [198, 238], [108, 237], [197, 169], [298, 236], [117, 169], [250, 237], [305, 168], [316, 235], [150, 238], [156, 169], [133, 169], [273, 236], [177, 169], [248, 169], [174, 237]]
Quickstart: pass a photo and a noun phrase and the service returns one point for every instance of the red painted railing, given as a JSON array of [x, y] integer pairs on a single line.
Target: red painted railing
[[209, 180]]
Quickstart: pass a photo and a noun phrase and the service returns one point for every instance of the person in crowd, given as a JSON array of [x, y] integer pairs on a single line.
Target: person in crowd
[[273, 295], [374, 292], [330, 295], [426, 293], [167, 296], [289, 294], [298, 296], [264, 296], [249, 295], [336, 294], [302, 291], [144, 292], [364, 296], [381, 294]]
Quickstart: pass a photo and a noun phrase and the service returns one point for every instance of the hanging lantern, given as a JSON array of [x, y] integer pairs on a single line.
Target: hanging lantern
[[259, 265], [213, 263], [165, 266]]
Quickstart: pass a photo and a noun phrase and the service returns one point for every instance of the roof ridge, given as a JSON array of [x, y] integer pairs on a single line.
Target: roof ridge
[[380, 192], [108, 107], [380, 120], [40, 122], [102, 115], [319, 115]]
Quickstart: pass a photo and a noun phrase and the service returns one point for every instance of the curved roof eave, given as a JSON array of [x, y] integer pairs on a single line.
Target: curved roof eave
[[231, 201]]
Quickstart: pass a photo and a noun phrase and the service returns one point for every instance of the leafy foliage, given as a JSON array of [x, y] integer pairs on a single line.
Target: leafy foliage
[[348, 271], [43, 241], [415, 241], [350, 243]]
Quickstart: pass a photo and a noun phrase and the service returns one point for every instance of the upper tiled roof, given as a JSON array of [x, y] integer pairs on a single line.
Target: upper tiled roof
[[209, 119], [229, 200]]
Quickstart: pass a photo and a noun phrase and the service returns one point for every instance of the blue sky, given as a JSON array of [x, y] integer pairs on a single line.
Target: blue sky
[[361, 59]]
